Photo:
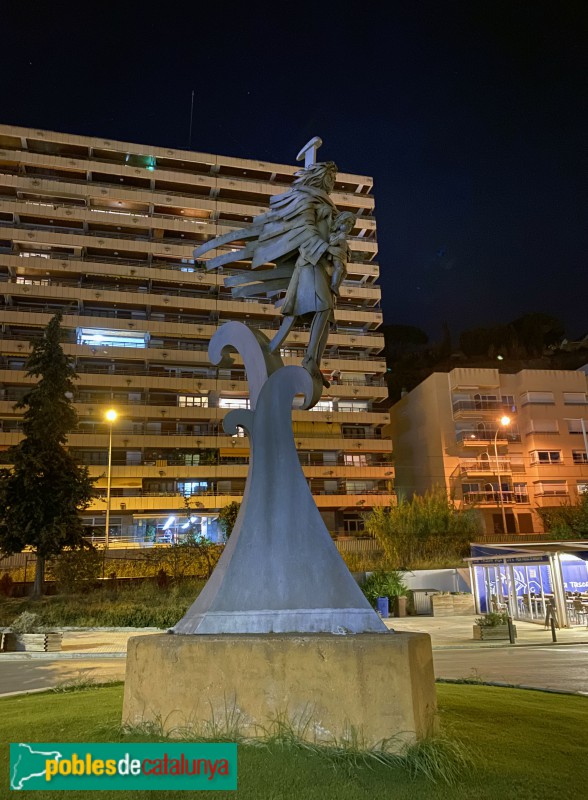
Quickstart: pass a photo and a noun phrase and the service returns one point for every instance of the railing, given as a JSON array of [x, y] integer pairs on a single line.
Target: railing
[[495, 498], [482, 405], [492, 465], [190, 169], [483, 437], [340, 490]]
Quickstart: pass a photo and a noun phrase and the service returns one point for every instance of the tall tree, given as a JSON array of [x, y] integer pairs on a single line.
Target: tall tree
[[43, 493]]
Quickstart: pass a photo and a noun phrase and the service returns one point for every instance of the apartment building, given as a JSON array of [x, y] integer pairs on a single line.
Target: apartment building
[[104, 231], [506, 444]]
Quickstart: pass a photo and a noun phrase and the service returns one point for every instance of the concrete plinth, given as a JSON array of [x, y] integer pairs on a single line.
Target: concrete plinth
[[367, 688]]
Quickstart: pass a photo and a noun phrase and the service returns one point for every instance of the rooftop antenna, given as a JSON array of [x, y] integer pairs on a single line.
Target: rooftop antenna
[[191, 119]]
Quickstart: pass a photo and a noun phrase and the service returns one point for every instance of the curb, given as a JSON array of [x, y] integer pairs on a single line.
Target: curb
[[503, 685], [22, 656], [505, 646]]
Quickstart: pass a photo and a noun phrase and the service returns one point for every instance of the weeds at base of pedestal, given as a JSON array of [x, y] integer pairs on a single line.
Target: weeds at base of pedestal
[[438, 758], [82, 681]]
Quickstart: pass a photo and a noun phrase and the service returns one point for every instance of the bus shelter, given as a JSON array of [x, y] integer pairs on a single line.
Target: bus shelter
[[530, 580]]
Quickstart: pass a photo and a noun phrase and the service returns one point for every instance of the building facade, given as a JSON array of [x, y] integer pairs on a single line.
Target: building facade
[[448, 432], [104, 231]]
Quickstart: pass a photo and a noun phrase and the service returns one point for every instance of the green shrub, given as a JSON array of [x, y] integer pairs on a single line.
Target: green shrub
[[77, 570], [424, 528], [492, 620], [27, 622], [384, 584]]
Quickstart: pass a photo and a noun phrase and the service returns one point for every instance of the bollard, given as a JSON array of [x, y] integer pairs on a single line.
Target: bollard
[[511, 633], [553, 635]]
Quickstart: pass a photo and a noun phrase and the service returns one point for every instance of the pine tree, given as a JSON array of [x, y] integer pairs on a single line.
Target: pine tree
[[43, 493]]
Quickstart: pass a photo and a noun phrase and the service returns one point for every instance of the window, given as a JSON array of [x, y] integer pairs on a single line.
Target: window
[[288, 352], [101, 337], [543, 426], [323, 405], [469, 488], [521, 493], [355, 525], [546, 457], [546, 398], [355, 460], [30, 282], [548, 488], [192, 401], [350, 432], [579, 457], [575, 426], [30, 254], [359, 487], [508, 400], [352, 405], [188, 488], [582, 487], [574, 398], [233, 402]]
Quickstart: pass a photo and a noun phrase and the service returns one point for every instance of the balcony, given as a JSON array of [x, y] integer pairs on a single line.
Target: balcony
[[484, 408], [476, 438], [471, 467], [493, 498]]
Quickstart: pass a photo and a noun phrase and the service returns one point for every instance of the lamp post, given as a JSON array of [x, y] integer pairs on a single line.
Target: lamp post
[[503, 422], [110, 416]]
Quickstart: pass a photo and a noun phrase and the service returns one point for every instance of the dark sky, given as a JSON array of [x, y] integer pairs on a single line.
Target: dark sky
[[471, 116]]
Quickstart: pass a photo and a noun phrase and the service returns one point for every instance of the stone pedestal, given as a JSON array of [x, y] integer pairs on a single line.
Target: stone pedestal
[[366, 688]]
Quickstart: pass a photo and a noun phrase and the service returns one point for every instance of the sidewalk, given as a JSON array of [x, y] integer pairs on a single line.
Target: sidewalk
[[93, 643], [456, 632], [446, 633]]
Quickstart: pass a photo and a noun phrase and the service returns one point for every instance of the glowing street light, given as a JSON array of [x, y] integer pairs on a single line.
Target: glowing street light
[[110, 416], [503, 422]]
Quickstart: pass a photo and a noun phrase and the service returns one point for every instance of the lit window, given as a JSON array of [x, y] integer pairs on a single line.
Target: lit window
[[188, 488], [33, 255], [233, 402], [323, 405], [192, 401], [355, 459], [99, 337], [29, 282]]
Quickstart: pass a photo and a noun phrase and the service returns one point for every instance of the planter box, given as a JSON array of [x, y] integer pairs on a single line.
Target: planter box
[[497, 632], [452, 605], [32, 642]]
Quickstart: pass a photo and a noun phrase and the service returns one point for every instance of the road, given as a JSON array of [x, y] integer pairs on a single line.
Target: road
[[35, 674], [552, 667]]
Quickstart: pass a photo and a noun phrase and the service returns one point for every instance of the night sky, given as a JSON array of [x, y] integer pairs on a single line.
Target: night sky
[[471, 116]]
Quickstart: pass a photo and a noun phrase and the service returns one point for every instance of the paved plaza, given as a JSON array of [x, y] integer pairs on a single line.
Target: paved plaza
[[99, 656]]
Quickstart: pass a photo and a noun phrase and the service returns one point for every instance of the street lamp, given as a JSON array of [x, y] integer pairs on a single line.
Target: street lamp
[[502, 423], [110, 416]]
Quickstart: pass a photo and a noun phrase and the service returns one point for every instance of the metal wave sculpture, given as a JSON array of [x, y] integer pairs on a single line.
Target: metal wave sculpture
[[280, 571]]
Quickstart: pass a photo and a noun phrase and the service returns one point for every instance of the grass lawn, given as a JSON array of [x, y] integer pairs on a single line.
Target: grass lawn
[[525, 745]]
